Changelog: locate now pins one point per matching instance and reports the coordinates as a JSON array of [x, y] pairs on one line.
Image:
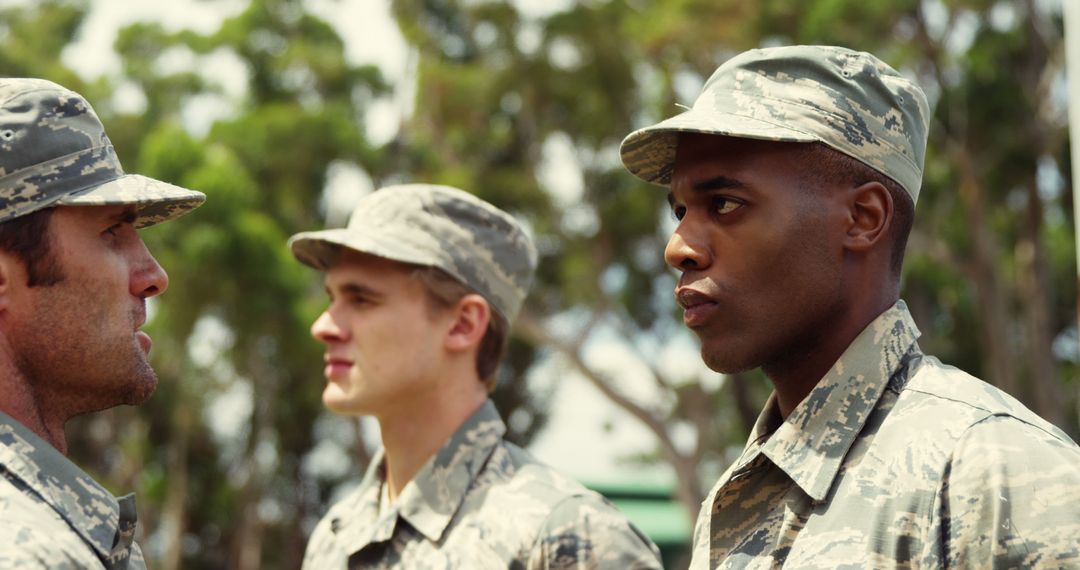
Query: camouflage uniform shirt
[[895, 460], [480, 502], [53, 515]]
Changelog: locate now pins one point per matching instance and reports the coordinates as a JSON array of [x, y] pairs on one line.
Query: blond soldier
[[793, 179], [74, 279], [424, 283]]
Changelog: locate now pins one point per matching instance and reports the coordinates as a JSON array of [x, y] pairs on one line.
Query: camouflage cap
[[848, 100], [54, 152], [476, 243]]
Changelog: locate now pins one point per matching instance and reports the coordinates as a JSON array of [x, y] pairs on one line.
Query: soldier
[[423, 284], [794, 179], [74, 279]]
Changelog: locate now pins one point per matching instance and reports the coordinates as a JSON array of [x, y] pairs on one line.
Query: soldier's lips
[[336, 367], [698, 308], [140, 319], [144, 341]]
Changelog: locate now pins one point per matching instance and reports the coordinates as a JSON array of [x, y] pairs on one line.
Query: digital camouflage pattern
[[480, 502], [895, 460], [53, 515], [848, 100], [435, 226], [54, 151]]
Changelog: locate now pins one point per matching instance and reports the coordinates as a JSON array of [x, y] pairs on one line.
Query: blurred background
[[285, 112]]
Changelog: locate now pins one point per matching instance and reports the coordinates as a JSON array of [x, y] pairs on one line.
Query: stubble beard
[[80, 380], [74, 366]]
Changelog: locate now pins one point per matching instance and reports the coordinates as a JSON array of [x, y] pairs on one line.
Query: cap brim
[[155, 201], [320, 249], [649, 153]]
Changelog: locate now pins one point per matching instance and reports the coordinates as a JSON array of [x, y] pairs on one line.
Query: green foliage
[[31, 40]]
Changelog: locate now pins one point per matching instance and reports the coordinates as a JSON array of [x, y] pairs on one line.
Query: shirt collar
[[104, 522], [357, 520], [429, 501], [810, 445]]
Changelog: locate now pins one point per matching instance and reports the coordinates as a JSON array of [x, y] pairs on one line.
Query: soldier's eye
[[722, 205], [678, 212]]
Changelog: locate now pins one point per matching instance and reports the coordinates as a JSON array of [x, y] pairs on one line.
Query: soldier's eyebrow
[[717, 183], [354, 290], [709, 185], [125, 216]]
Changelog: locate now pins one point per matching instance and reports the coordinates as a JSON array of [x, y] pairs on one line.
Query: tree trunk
[[688, 486], [688, 491], [248, 555], [174, 511], [991, 300], [1045, 395]]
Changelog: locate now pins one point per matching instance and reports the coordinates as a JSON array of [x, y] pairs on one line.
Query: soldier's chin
[[143, 384], [144, 390], [135, 390], [724, 363], [337, 401]]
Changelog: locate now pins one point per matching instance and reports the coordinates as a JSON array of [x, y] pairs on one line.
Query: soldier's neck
[[24, 405], [802, 366], [412, 436]]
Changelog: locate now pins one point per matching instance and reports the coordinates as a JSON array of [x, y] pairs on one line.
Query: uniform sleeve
[[584, 532], [1011, 498]]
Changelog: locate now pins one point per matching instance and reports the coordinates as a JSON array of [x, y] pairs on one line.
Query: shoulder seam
[[988, 414], [992, 415]]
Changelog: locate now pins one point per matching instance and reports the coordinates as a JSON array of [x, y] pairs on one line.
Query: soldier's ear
[[471, 315], [10, 270], [869, 213]]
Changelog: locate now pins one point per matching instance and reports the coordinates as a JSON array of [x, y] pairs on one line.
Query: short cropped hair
[[29, 239], [443, 292], [831, 167]]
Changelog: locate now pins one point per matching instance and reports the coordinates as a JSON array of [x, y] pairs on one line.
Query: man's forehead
[[351, 265], [726, 158], [709, 162], [120, 212], [693, 144], [349, 278], [88, 220]]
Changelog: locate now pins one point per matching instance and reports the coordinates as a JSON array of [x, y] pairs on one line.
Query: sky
[[586, 435]]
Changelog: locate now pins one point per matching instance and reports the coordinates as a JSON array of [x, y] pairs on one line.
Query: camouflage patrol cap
[[848, 100], [54, 152], [474, 242]]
